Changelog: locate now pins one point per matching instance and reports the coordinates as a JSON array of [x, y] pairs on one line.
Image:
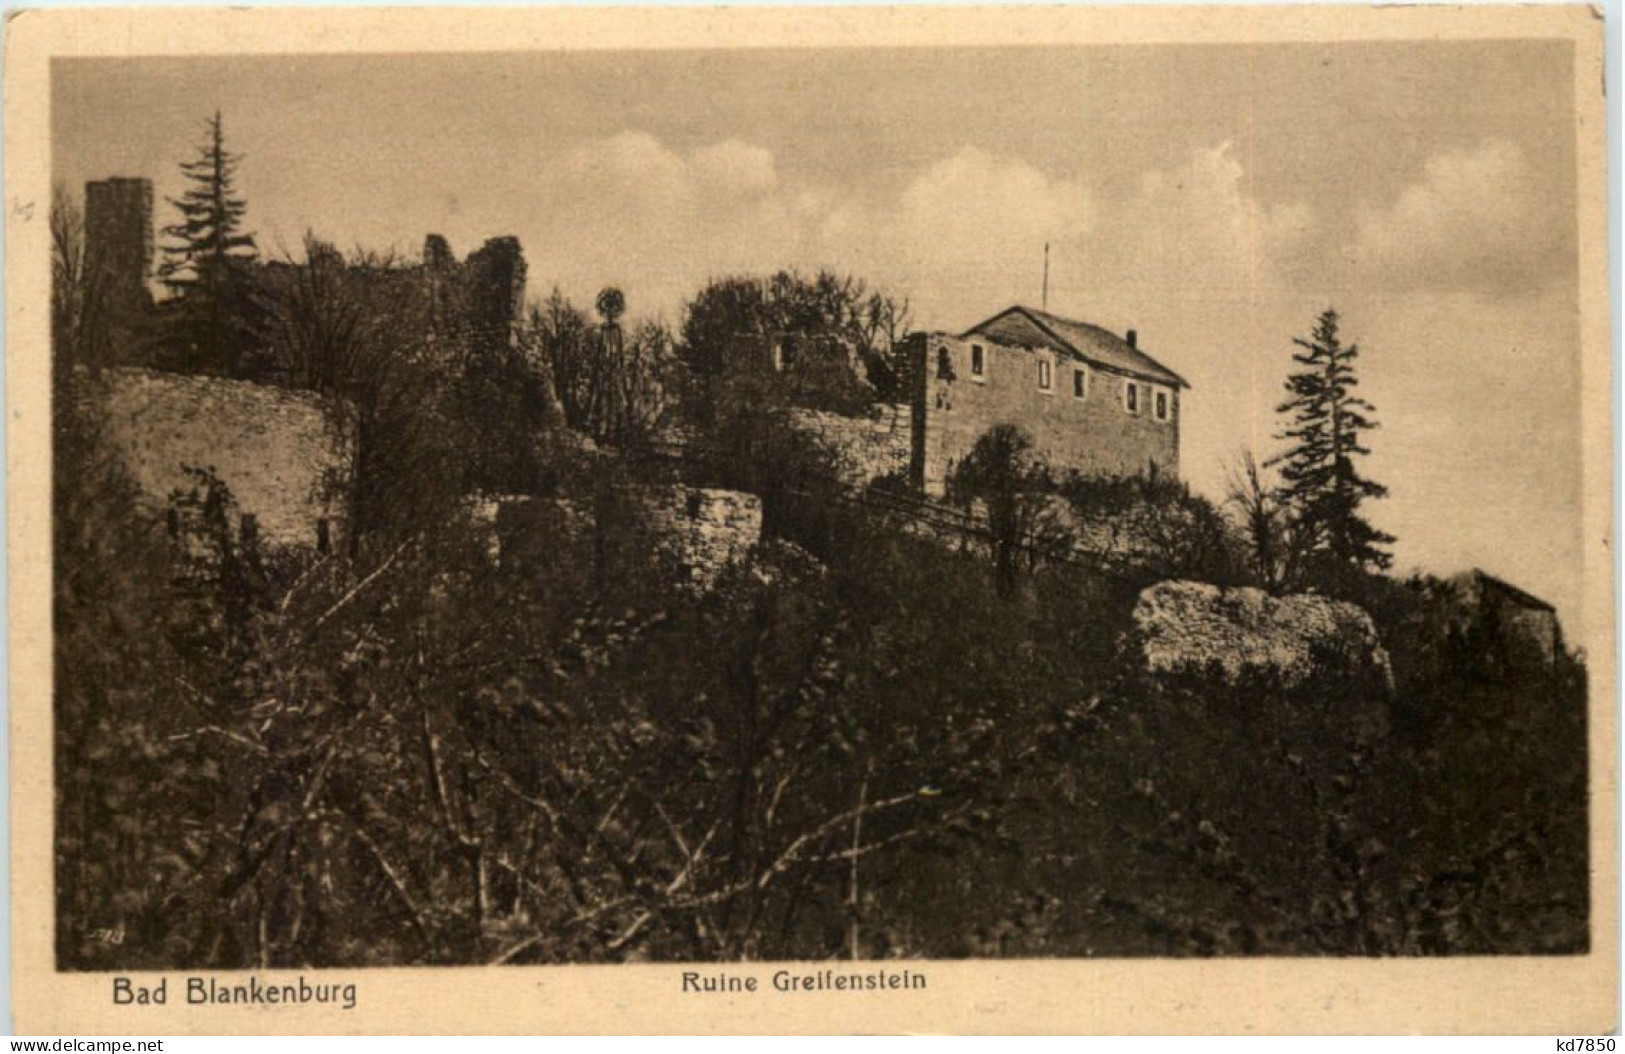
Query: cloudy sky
[[1216, 198]]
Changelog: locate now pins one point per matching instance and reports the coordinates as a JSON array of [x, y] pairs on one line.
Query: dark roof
[[1087, 342], [1510, 591]]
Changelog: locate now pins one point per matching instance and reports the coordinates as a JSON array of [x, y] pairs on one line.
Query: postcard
[[810, 520]]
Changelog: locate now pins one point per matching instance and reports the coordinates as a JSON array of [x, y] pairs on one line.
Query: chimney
[[1133, 339]]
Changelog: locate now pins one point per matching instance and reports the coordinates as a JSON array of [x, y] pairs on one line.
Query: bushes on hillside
[[861, 743], [1156, 524], [422, 757]]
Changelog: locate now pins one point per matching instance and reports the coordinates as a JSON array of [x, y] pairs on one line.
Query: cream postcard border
[[1460, 995]]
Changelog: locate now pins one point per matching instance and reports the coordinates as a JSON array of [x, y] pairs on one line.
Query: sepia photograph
[[839, 506]]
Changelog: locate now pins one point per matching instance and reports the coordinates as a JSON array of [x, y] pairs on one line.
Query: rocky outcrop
[[1184, 625]]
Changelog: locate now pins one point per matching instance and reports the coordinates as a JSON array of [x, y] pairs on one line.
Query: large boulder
[[1184, 625]]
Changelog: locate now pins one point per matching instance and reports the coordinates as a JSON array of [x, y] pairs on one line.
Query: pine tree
[[205, 266], [1321, 484]]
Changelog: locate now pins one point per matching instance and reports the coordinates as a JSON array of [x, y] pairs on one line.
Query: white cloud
[[975, 207], [1193, 230], [628, 170], [735, 169], [1477, 219], [964, 236], [632, 211], [1215, 281], [964, 232]]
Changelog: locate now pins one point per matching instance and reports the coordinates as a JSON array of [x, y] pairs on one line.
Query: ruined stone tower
[[118, 242], [496, 275]]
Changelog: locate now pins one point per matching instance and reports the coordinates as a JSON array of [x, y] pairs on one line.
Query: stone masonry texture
[[692, 534], [868, 447], [1185, 625], [118, 240], [1526, 627], [701, 531], [1096, 434], [287, 456]]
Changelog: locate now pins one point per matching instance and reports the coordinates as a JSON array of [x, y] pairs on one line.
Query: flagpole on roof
[[1045, 300]]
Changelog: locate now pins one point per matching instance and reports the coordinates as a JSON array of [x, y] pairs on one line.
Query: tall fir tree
[[1321, 484], [206, 262]]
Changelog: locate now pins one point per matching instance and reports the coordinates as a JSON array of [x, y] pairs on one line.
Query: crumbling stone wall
[[496, 292], [1531, 635], [474, 304], [1183, 625], [869, 447], [1128, 535], [1524, 628], [523, 532], [287, 456], [689, 535], [698, 532], [118, 246]]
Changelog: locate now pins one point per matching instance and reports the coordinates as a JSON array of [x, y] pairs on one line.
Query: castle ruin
[[119, 243]]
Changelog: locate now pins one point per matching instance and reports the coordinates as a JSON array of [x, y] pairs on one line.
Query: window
[[250, 530], [1080, 382], [1162, 405], [1044, 379], [978, 361], [945, 365], [1131, 397], [323, 541], [172, 521]]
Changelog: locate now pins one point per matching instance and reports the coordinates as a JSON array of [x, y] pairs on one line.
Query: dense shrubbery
[[834, 341], [415, 756], [1144, 528], [863, 743]]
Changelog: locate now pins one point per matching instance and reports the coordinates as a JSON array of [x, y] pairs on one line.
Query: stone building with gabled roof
[[1092, 401], [1026, 327]]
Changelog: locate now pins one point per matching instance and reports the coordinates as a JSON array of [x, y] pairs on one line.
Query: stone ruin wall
[[872, 448], [1531, 636], [692, 534], [495, 278], [698, 532], [288, 457], [869, 448]]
